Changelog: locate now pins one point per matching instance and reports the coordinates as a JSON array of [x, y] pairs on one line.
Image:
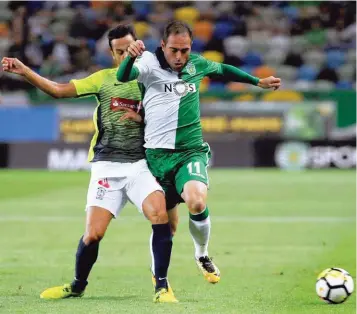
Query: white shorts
[[112, 184]]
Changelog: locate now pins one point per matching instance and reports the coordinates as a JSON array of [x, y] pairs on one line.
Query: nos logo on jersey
[[180, 88]]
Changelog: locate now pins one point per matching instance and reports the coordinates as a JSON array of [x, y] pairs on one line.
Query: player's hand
[[13, 65], [136, 48], [131, 115], [270, 82]]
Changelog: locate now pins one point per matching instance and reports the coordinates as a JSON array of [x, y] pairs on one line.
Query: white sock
[[200, 232]]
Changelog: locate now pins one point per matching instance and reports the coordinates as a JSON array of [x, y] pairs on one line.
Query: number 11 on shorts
[[193, 164]]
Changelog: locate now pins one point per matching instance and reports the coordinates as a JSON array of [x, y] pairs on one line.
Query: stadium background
[[271, 228], [310, 45]]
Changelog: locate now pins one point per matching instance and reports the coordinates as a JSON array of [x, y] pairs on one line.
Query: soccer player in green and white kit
[[176, 153], [119, 171]]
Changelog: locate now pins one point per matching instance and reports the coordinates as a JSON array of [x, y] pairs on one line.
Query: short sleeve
[[90, 84]]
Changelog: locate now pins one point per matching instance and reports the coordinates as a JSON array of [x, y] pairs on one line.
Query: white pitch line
[[223, 219]]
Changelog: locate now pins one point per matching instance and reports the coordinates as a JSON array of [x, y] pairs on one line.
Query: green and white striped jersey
[[171, 100]]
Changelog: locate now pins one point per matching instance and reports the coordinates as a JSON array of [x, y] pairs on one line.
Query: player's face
[[177, 50], [120, 47]]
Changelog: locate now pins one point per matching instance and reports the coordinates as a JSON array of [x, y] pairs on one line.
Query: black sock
[[86, 256], [161, 247]]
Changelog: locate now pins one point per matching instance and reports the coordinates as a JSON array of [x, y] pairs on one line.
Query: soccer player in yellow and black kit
[[119, 171]]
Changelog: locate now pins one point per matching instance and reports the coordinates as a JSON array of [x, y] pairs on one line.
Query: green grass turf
[[272, 233]]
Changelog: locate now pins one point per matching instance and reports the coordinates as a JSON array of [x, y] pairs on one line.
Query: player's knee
[[158, 216], [194, 194], [93, 236], [196, 204], [154, 208]]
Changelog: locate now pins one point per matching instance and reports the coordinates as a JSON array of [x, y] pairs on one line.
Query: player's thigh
[[143, 187], [192, 181], [163, 166], [108, 194], [194, 172]]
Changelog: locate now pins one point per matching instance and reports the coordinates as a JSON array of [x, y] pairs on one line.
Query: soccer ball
[[334, 285]]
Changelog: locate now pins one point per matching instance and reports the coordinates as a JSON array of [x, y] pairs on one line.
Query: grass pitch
[[272, 233]]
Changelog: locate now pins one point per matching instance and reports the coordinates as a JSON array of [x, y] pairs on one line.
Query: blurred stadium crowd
[[310, 45]]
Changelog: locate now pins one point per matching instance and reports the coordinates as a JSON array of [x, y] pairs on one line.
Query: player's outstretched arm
[[54, 89], [238, 75], [127, 72]]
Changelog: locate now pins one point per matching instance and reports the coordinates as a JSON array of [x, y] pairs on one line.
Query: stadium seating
[[203, 30], [301, 85], [314, 58], [142, 29], [151, 43], [187, 14], [213, 56], [307, 72], [291, 12], [236, 46], [252, 59], [223, 29], [323, 85], [287, 72], [351, 57], [299, 43], [198, 45], [141, 8], [335, 58], [217, 87], [64, 15], [344, 85], [259, 42], [274, 57], [264, 71], [291, 40], [5, 15], [347, 72]]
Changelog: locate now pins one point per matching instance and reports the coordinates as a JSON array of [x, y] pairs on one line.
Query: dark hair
[[176, 27], [120, 31]]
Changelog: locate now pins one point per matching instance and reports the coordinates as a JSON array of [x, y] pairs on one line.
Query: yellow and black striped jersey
[[114, 140]]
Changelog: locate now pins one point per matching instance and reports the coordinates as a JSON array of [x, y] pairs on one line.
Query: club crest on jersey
[[190, 68], [180, 88], [117, 103]]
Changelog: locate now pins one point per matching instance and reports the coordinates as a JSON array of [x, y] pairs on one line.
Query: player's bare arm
[[56, 90], [136, 48], [270, 82]]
